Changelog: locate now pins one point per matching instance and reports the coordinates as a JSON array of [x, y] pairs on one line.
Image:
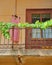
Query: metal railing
[[9, 44]]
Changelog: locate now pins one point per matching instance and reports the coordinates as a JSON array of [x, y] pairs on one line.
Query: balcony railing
[[9, 44]]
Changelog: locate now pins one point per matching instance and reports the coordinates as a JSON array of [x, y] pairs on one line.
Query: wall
[[7, 8]]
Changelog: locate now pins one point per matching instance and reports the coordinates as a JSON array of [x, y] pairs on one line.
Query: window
[[37, 38], [37, 33]]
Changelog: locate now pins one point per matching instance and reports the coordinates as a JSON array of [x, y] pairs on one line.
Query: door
[[37, 38]]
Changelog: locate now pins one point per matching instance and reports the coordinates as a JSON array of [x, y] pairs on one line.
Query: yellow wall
[[7, 8]]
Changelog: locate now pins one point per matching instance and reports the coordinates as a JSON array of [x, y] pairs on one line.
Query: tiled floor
[[26, 60]]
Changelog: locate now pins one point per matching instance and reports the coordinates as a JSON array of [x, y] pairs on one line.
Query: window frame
[[34, 43]]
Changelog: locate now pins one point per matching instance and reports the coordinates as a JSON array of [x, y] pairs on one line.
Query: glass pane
[[35, 17], [35, 32], [45, 17], [47, 33]]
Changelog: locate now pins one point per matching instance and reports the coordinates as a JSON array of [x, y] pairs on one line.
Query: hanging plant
[[4, 27]]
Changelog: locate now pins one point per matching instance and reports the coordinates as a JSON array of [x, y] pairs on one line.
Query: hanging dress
[[14, 32]]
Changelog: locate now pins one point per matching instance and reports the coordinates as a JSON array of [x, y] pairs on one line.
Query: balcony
[[8, 47]]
